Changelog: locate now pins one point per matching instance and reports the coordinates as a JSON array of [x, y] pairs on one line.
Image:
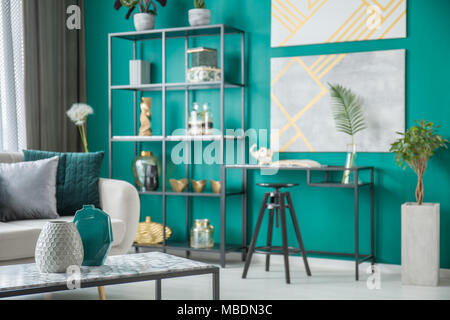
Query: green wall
[[326, 215]]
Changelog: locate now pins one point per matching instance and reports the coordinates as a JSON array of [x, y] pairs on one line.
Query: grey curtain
[[54, 74]]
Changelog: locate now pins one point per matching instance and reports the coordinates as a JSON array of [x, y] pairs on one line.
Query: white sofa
[[117, 198]]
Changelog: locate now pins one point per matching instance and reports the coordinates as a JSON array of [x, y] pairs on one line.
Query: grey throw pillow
[[28, 190]]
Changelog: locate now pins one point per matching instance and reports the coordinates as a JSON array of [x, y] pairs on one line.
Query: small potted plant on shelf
[[200, 16], [420, 221], [145, 20]]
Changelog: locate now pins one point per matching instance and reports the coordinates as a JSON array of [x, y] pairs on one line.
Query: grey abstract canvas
[[301, 116]]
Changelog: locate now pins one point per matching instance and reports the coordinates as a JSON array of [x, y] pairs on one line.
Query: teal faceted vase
[[95, 230]]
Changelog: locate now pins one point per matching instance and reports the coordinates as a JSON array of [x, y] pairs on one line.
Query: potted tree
[[199, 16], [145, 20], [420, 221]]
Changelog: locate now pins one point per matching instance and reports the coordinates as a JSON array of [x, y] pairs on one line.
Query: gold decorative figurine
[[151, 232], [146, 127]]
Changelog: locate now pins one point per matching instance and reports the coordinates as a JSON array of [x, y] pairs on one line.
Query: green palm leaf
[[347, 110]]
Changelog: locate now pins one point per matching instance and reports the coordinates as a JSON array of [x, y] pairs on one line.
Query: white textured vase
[[199, 17], [59, 246], [420, 244], [144, 21]]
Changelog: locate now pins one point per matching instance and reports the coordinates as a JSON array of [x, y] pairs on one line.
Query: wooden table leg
[[101, 293]]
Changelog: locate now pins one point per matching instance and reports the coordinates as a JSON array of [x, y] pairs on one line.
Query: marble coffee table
[[25, 279]]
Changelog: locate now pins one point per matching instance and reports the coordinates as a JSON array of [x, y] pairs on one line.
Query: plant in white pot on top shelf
[[420, 221], [145, 20], [349, 118], [200, 16]]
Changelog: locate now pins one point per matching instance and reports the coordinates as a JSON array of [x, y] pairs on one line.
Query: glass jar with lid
[[202, 234]]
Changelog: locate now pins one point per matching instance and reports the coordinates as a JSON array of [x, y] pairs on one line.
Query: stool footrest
[[276, 250]]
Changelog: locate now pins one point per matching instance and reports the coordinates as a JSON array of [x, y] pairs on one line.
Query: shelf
[[136, 138], [202, 138], [173, 138], [258, 167], [337, 184], [183, 245], [176, 86], [200, 31], [322, 168], [190, 194]]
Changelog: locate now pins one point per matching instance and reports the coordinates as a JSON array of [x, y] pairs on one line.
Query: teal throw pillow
[[77, 178]]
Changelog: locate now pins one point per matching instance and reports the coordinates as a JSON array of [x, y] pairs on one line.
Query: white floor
[[330, 279]]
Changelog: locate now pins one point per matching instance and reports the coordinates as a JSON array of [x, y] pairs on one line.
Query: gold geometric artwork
[[300, 22], [301, 119], [316, 71]]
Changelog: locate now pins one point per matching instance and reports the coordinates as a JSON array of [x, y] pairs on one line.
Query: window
[[12, 101]]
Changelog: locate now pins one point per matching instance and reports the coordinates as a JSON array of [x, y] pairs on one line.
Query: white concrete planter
[[420, 244], [144, 21], [199, 17]]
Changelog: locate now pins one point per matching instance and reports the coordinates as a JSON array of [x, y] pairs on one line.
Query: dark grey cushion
[[28, 190]]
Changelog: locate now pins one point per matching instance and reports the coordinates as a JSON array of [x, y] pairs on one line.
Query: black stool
[[277, 205]]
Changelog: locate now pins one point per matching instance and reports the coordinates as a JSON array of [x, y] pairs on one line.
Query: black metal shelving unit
[[221, 31]]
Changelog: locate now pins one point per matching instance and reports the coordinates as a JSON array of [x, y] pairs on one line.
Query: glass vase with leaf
[[349, 118]]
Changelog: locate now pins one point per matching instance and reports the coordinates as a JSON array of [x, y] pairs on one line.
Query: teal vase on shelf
[[95, 230]]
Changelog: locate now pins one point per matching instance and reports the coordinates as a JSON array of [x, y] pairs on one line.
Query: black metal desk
[[326, 183]]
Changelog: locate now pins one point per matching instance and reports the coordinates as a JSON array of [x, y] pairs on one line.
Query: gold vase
[[198, 186], [178, 185], [216, 186]]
